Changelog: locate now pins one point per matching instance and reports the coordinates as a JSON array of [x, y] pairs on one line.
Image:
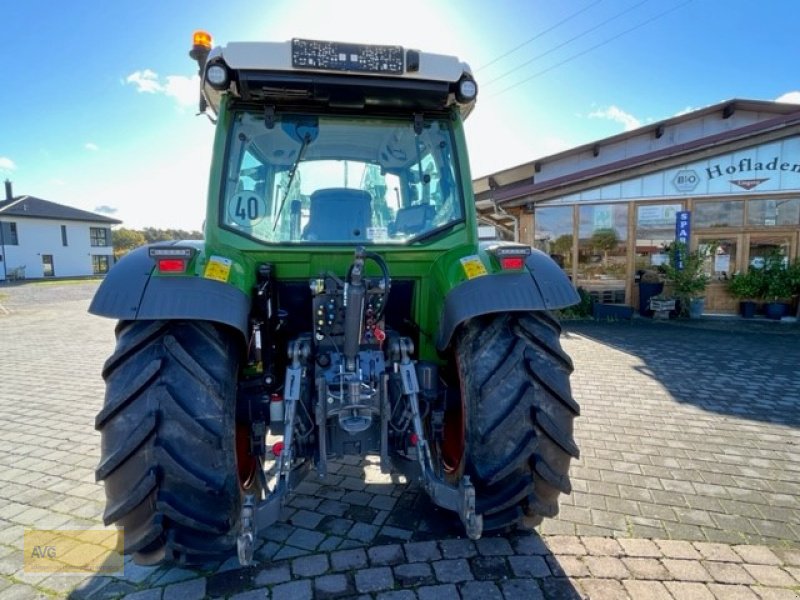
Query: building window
[[48, 270], [554, 233], [725, 213], [64, 235], [9, 231], [655, 230], [99, 236], [603, 251], [773, 213], [100, 263]]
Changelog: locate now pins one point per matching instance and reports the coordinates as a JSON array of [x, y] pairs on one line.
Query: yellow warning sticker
[[218, 268], [73, 551], [473, 267]]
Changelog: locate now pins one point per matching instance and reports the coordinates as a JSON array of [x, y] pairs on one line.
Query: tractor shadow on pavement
[[384, 522], [746, 371]]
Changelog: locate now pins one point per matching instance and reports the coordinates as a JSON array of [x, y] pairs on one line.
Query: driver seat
[[339, 215]]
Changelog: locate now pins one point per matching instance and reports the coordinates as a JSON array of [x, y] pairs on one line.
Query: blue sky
[[98, 103]]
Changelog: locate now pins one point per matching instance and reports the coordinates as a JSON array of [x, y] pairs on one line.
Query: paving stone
[[142, 595], [525, 589], [331, 586], [457, 548], [422, 551], [362, 532], [306, 539], [306, 518], [677, 549], [259, 594], [346, 560], [374, 580], [391, 554], [717, 552], [686, 570], [413, 574], [689, 591], [603, 589], [186, 590], [565, 544], [728, 573], [294, 590], [770, 575], [287, 552], [560, 588], [489, 568], [649, 590], [530, 544], [646, 568], [272, 575], [758, 555], [606, 567], [789, 556], [640, 548], [597, 546], [768, 593], [437, 592], [731, 592], [567, 566], [397, 595], [452, 571], [310, 566], [480, 590], [494, 546], [529, 566]]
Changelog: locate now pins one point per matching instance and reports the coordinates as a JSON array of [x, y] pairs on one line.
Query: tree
[[562, 246], [604, 240], [125, 240]]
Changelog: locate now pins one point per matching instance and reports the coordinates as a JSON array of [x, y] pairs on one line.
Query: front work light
[[467, 89], [217, 76]]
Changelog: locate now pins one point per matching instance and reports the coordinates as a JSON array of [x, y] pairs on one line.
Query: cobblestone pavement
[[688, 485]]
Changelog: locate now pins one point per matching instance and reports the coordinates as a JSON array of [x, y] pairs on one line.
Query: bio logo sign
[[686, 180]]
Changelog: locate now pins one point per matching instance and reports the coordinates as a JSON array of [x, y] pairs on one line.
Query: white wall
[[43, 236]]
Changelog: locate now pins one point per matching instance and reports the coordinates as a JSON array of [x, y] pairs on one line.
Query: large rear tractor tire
[[169, 462], [512, 432]]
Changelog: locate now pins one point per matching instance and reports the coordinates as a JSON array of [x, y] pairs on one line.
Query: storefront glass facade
[[603, 239]]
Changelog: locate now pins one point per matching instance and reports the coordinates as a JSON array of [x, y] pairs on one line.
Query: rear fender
[[129, 292], [541, 286]]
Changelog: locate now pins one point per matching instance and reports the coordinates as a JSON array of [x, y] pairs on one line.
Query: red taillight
[[171, 265], [512, 262]]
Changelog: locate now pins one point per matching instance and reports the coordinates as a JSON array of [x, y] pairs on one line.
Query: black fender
[[129, 292], [541, 286]]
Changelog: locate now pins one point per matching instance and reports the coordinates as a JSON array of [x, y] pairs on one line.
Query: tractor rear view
[[340, 299]]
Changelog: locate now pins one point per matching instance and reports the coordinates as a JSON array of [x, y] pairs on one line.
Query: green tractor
[[340, 299]]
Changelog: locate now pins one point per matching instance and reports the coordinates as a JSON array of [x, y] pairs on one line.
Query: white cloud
[[145, 81], [184, 90], [91, 147], [6, 164], [789, 97], [614, 113]]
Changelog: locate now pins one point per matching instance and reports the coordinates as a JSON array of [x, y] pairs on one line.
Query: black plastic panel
[[543, 287], [338, 56]]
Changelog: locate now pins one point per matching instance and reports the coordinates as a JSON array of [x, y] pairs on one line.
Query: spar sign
[[683, 231]]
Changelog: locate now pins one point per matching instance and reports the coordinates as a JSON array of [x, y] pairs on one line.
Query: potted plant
[[748, 287], [779, 292], [687, 283], [651, 284]]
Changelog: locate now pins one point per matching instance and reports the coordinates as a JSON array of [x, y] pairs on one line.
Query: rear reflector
[[512, 262], [171, 265]]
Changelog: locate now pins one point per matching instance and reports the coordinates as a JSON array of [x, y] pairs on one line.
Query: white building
[[39, 239]]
